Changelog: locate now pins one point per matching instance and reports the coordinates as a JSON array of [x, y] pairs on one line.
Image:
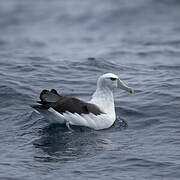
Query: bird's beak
[[123, 86]]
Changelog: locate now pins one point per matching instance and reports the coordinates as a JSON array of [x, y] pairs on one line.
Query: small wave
[[8, 93], [124, 111], [139, 162], [166, 67], [93, 64]]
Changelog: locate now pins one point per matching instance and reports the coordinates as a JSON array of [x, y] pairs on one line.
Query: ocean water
[[67, 45]]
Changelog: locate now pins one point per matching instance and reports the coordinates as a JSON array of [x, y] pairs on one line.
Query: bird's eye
[[113, 79]]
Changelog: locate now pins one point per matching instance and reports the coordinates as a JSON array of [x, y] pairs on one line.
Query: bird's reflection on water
[[59, 144]]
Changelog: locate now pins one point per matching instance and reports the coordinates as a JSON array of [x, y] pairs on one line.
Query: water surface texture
[[67, 45]]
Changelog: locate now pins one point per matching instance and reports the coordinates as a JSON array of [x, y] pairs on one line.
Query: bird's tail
[[49, 113], [38, 107]]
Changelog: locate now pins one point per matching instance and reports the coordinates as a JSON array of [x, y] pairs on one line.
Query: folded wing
[[64, 104]]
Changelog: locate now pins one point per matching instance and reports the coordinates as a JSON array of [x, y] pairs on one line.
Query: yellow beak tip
[[132, 91]]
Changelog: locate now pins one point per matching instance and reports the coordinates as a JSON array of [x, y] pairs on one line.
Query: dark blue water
[[67, 45]]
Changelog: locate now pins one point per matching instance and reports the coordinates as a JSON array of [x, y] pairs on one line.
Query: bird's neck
[[103, 93], [103, 97]]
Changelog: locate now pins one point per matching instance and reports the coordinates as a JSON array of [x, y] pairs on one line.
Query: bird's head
[[112, 81]]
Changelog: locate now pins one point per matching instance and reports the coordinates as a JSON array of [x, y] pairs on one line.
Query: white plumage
[[102, 98]]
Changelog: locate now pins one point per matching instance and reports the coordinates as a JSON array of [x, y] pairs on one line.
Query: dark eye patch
[[113, 79]]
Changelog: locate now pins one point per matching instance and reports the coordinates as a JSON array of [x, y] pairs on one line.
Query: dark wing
[[92, 108], [66, 103], [74, 105]]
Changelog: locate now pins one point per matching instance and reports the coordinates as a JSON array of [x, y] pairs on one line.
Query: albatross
[[98, 113]]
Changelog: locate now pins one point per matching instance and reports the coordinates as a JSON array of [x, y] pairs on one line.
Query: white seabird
[[98, 113]]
